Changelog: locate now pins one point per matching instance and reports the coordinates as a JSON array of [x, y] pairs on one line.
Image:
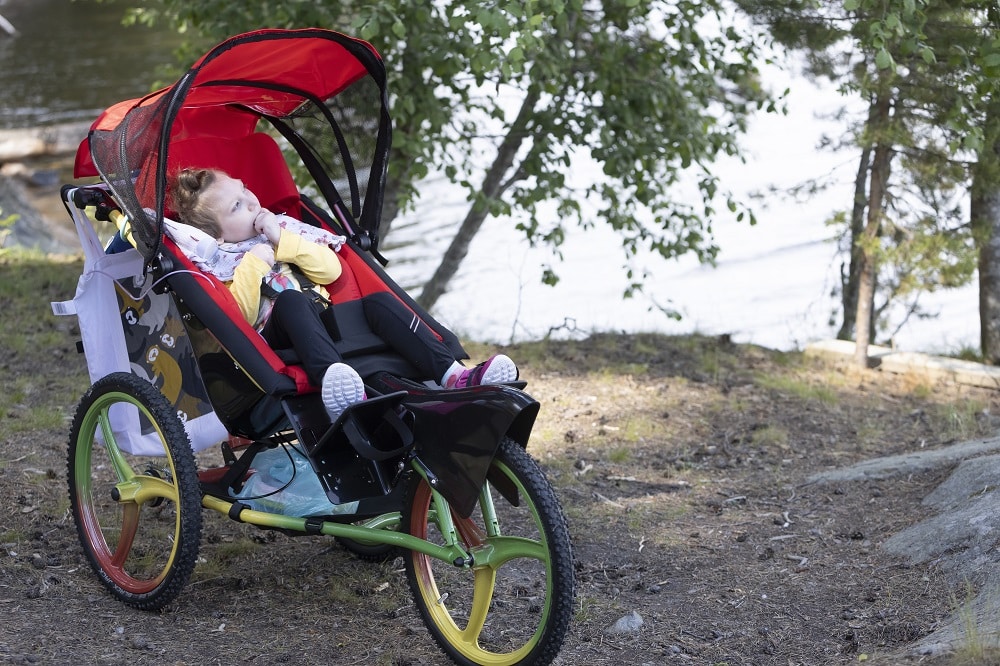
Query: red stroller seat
[[243, 375], [256, 159]]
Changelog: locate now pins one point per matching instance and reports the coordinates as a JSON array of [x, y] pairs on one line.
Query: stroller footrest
[[373, 428]]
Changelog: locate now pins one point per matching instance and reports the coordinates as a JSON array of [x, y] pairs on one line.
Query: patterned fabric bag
[[150, 342]]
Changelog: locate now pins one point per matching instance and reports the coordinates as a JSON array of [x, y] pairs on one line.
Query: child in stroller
[[281, 304]]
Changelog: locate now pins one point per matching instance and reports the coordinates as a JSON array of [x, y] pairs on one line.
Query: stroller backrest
[[256, 159]]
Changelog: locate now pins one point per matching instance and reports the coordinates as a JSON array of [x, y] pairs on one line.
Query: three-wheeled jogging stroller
[[440, 476]]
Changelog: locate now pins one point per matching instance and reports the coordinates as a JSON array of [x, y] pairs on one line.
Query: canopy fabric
[[288, 77]]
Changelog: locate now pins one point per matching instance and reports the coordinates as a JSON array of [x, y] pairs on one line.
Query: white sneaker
[[342, 387], [497, 369]]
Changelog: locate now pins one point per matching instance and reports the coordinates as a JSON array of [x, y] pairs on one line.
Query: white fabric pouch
[[127, 327]]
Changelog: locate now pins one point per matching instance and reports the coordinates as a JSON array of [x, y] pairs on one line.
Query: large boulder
[[31, 229], [960, 538]]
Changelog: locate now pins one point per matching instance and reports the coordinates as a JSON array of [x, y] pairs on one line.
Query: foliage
[[652, 92], [902, 53], [894, 28], [6, 224], [942, 89]]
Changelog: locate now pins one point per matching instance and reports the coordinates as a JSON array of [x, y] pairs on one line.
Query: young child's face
[[234, 207]]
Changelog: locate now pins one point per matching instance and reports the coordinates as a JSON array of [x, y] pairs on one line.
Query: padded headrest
[[255, 159]]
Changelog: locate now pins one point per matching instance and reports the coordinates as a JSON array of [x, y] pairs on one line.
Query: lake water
[[772, 285], [69, 60]]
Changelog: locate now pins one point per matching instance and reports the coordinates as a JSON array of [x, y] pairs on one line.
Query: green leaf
[[883, 59], [549, 277], [852, 5]]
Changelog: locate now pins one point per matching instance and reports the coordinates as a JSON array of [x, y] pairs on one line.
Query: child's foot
[[342, 387], [498, 369]]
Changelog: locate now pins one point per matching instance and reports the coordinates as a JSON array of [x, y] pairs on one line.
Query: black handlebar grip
[[84, 197]]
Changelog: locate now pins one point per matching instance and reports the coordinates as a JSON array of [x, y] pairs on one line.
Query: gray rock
[[971, 480], [960, 539], [628, 624], [30, 229], [906, 463]]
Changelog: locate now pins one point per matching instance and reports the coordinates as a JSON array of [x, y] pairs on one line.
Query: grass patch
[[638, 430], [798, 388], [234, 551], [973, 648], [620, 455], [771, 436], [961, 418], [870, 432], [14, 536], [966, 353], [61, 507], [587, 609], [35, 418]]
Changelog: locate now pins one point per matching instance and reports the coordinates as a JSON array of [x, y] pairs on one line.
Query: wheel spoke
[[501, 550], [142, 489], [122, 469], [482, 595], [130, 525], [471, 534]]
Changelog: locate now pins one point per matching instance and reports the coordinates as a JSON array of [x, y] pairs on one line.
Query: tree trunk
[[849, 283], [869, 237], [493, 187], [985, 217]]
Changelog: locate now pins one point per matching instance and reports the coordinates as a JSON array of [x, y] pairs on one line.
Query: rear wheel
[[369, 552], [517, 608], [138, 517]]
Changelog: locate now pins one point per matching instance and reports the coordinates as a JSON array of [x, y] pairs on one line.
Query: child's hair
[[186, 199]]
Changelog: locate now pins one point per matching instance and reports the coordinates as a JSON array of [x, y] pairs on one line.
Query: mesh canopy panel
[[120, 155]]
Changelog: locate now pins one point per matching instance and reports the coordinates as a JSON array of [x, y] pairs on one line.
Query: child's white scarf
[[221, 259]]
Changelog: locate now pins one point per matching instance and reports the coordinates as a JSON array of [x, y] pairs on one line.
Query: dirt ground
[[681, 463], [698, 459]]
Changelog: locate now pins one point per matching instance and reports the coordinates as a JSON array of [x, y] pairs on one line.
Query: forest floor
[[684, 466]]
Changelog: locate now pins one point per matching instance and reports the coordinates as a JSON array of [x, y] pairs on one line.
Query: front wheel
[[516, 608], [138, 516]]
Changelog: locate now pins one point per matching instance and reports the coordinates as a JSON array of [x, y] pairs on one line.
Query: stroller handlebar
[[104, 208], [88, 196]]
